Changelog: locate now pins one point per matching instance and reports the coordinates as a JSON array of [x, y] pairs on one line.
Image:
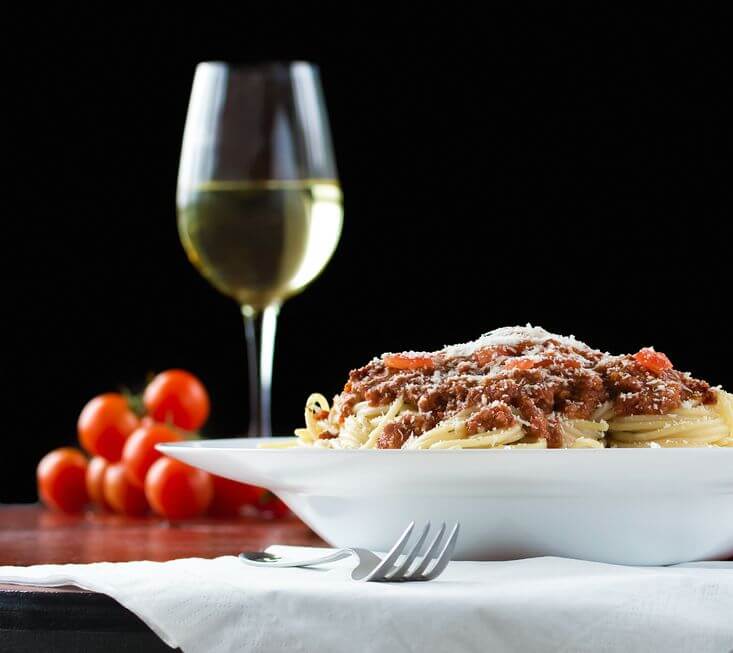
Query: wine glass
[[259, 203]]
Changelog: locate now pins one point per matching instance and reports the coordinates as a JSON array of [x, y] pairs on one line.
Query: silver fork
[[373, 568]]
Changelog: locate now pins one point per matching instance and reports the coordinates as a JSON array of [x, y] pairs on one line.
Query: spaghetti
[[519, 387], [363, 429], [690, 425]]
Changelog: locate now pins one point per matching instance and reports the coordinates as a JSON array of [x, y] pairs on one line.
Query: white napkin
[[539, 604]]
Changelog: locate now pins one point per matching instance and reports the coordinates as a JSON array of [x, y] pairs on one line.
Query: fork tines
[[414, 567]]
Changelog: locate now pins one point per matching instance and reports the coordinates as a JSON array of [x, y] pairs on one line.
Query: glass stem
[[259, 328]]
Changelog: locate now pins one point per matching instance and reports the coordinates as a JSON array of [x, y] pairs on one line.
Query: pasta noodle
[[688, 426], [362, 430]]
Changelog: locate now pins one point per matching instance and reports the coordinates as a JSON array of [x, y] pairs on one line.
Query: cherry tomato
[[121, 495], [176, 490], [230, 497], [272, 506], [408, 362], [104, 424], [61, 477], [95, 480], [140, 453], [178, 397], [655, 361]]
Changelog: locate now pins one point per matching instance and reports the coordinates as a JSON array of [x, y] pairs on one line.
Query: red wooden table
[[61, 619]]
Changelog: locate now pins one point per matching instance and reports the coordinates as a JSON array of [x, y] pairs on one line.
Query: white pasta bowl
[[624, 506]]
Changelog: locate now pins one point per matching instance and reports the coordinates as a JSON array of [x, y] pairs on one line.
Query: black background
[[564, 169]]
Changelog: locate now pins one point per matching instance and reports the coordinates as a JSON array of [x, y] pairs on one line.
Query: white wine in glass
[[259, 203]]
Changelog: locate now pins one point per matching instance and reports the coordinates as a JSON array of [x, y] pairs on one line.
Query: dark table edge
[[25, 612]]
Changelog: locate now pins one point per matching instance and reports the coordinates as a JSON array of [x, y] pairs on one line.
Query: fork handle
[[339, 554]]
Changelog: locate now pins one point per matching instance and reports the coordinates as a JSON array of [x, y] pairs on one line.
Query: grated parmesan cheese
[[510, 336]]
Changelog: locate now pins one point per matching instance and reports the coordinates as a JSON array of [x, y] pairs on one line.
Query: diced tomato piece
[[547, 361], [519, 364], [485, 356], [655, 361], [570, 362], [408, 362], [488, 354]]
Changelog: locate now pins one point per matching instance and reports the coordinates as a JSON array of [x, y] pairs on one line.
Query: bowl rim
[[210, 445]]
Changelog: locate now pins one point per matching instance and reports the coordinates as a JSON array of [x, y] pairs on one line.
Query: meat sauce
[[538, 381]]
